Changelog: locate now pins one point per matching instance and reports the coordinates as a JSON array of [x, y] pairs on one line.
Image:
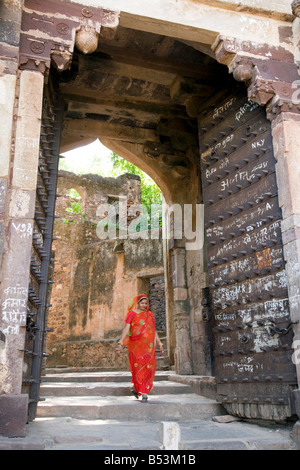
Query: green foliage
[[75, 208], [151, 194]]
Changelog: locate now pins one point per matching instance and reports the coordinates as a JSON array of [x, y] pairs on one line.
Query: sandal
[[134, 393], [144, 398]]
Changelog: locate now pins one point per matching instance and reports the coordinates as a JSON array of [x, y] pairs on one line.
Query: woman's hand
[[119, 348], [160, 345], [161, 348]]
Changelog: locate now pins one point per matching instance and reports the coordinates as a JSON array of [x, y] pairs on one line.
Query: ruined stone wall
[[94, 279]]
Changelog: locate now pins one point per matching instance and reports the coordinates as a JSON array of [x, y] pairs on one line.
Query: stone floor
[[96, 412]]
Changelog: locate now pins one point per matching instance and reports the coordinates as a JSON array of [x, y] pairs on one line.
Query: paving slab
[[111, 435], [235, 435]]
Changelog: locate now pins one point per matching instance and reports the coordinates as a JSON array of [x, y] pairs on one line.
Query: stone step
[[162, 364], [106, 395], [103, 389], [158, 408], [77, 375]]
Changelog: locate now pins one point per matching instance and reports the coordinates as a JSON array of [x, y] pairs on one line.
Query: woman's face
[[143, 304]]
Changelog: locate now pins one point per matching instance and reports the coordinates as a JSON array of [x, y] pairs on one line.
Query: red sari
[[141, 347]]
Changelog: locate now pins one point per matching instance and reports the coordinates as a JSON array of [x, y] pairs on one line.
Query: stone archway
[[132, 95], [261, 53], [267, 85], [245, 56]]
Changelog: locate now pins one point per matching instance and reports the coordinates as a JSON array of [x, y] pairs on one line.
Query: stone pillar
[[13, 293], [286, 141], [10, 20], [27, 49], [293, 233], [183, 355], [18, 230]]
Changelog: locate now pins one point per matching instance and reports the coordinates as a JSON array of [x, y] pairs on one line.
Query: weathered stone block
[[7, 95], [22, 204], [10, 32], [178, 268], [286, 135], [180, 293], [3, 191], [1, 238], [28, 130], [13, 415], [297, 401], [31, 94], [170, 435]]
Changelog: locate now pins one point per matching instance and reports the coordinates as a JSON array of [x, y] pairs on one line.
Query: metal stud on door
[[247, 281]]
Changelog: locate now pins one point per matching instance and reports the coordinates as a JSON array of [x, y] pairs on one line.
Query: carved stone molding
[[270, 74], [61, 59], [49, 30]]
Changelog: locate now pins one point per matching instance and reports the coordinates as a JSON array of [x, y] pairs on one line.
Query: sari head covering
[[133, 305]]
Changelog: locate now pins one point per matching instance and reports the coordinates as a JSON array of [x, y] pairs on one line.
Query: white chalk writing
[[14, 316], [16, 290], [28, 142], [244, 109], [222, 109], [258, 144], [14, 303], [14, 309], [245, 365], [236, 292], [25, 230]]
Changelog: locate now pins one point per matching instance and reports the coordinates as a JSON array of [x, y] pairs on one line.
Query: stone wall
[[157, 301], [94, 279]]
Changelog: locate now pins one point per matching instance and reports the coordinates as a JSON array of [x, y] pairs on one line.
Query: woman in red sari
[[141, 338]]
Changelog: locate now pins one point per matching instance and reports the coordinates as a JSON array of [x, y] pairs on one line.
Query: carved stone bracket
[[270, 74], [87, 39], [296, 8], [51, 29]]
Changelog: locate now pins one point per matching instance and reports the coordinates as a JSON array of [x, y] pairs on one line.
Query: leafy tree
[[151, 194]]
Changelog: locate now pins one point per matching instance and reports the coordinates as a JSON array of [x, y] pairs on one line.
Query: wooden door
[[247, 281]]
